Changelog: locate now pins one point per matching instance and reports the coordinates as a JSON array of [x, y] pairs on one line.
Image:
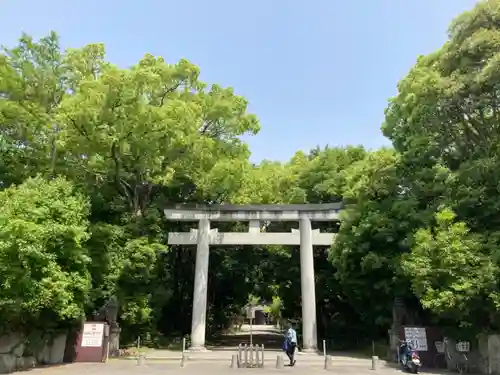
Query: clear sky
[[315, 72]]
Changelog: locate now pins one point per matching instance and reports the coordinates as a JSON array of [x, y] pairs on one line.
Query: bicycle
[[440, 357], [462, 347]]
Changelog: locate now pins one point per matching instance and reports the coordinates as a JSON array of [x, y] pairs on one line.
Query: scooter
[[408, 358]]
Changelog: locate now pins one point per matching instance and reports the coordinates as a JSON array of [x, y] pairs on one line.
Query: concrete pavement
[[124, 367]]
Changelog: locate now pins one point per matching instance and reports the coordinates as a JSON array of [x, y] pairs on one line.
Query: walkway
[[120, 367], [266, 335]]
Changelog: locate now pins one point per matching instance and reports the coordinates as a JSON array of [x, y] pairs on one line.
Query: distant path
[[267, 335], [265, 329]]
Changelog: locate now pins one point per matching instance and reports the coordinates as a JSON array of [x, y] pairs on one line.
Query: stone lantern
[[112, 308]]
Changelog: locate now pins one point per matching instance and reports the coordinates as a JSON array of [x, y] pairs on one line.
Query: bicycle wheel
[[439, 361], [462, 368]]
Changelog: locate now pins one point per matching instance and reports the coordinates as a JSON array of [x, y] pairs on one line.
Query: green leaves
[[452, 271], [444, 125], [43, 261]]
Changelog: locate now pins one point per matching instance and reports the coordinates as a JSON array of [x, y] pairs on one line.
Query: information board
[[92, 335], [250, 312], [417, 338]]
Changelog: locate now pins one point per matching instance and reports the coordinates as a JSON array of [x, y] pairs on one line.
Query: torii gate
[[203, 237]]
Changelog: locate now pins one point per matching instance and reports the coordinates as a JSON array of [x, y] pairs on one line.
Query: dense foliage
[[91, 153]]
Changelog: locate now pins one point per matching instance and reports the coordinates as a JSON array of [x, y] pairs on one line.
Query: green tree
[[444, 124], [147, 126], [375, 224], [43, 260], [452, 272], [31, 88]]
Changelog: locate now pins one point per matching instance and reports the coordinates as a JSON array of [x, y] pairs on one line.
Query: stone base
[[310, 351], [198, 349]]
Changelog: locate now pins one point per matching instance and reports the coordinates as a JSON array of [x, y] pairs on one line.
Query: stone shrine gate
[[203, 237]]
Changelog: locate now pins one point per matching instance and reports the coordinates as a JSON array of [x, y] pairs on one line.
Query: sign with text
[[92, 335], [417, 338], [251, 312]]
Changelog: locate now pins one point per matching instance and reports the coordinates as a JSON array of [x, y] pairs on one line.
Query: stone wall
[[484, 356], [493, 347], [455, 360], [15, 355]]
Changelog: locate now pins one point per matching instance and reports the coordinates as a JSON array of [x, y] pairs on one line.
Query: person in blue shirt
[[290, 344]]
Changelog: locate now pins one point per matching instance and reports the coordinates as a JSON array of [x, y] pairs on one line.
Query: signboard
[[417, 338], [251, 312], [92, 335]]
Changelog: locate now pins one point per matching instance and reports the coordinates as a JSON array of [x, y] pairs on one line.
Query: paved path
[[121, 367], [124, 367], [217, 362]]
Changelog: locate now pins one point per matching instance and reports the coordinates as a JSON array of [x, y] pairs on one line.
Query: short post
[[262, 356], [246, 355], [252, 348], [375, 362], [328, 362], [107, 351], [141, 359], [324, 348], [183, 353], [279, 361], [240, 356], [257, 356], [234, 361]]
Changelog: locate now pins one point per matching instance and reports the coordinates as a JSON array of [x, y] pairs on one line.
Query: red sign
[[92, 342]]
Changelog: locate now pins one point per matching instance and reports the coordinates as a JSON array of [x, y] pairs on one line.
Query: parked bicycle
[[440, 357], [460, 359]]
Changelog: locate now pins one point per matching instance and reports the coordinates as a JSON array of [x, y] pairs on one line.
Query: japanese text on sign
[[417, 338], [92, 335]]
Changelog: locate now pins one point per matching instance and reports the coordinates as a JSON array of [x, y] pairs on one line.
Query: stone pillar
[[200, 287], [307, 282], [114, 340]]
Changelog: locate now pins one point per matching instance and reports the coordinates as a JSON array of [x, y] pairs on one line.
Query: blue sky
[[315, 72]]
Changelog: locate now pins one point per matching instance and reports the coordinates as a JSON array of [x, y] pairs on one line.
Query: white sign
[[417, 338], [251, 312], [92, 335]]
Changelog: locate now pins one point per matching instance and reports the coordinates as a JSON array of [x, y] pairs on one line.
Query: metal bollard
[[251, 354], [375, 362], [141, 360], [245, 348], [328, 362], [183, 353], [234, 361], [279, 361], [240, 356], [257, 356], [262, 356]]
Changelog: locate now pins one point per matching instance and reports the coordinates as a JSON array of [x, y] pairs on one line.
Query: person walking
[[291, 344]]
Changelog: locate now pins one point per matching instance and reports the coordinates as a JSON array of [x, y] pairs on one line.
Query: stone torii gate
[[203, 237]]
